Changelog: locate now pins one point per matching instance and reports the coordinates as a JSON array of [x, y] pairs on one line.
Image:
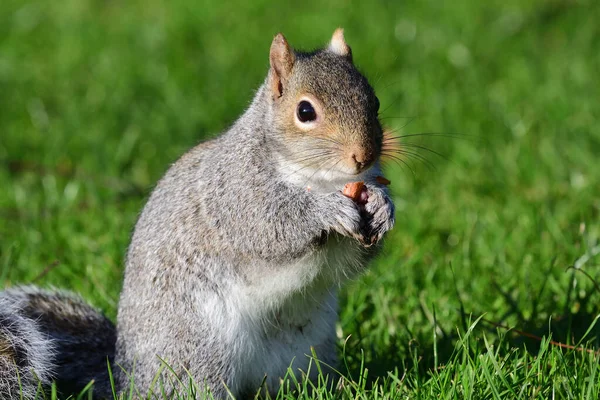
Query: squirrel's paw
[[380, 211], [345, 217]]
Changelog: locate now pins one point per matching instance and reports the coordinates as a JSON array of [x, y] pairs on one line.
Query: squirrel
[[235, 262]]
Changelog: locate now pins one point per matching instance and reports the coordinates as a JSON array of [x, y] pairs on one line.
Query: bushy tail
[[48, 336], [25, 355]]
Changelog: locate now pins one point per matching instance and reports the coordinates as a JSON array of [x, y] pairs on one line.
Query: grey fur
[[25, 355], [224, 217], [234, 263]]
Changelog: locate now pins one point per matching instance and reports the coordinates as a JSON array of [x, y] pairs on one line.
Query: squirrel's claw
[[346, 218], [366, 223], [380, 213]]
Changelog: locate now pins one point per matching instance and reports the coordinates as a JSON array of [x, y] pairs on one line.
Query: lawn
[[488, 287]]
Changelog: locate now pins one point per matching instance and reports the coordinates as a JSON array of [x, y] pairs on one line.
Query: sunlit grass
[[97, 99]]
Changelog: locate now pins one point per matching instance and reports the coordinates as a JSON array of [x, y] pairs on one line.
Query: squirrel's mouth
[[330, 177], [353, 166], [352, 171], [327, 169]]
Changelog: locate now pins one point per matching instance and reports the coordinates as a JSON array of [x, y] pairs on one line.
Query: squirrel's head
[[324, 109]]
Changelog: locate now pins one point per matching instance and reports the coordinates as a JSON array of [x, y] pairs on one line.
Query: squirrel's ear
[[282, 60], [338, 45]]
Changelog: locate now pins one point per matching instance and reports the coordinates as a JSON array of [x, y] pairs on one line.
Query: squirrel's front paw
[[344, 217], [380, 214]]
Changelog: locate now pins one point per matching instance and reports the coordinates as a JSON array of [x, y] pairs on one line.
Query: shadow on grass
[[575, 328]]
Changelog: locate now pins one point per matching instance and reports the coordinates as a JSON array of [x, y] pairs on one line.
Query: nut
[[354, 190]]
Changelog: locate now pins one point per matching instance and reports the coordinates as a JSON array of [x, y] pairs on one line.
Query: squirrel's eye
[[306, 112]]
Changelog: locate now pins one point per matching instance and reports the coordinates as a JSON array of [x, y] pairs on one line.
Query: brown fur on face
[[347, 132]]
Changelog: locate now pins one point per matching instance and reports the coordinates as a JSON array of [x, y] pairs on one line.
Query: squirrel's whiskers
[[396, 149]]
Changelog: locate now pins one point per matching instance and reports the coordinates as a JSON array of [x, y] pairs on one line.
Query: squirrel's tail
[[25, 355], [52, 336]]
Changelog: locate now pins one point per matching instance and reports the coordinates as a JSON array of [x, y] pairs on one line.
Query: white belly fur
[[281, 317]]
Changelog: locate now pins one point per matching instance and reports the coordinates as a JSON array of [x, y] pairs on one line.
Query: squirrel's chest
[[341, 258], [294, 310], [269, 289], [287, 340]]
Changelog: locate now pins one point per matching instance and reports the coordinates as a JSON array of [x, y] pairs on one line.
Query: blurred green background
[[97, 98]]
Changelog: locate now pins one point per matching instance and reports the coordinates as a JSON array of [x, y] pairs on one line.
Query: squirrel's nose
[[360, 158]]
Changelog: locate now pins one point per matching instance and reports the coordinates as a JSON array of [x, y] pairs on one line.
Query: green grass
[[97, 98]]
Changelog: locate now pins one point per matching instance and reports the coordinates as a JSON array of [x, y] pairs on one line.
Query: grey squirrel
[[235, 261]]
